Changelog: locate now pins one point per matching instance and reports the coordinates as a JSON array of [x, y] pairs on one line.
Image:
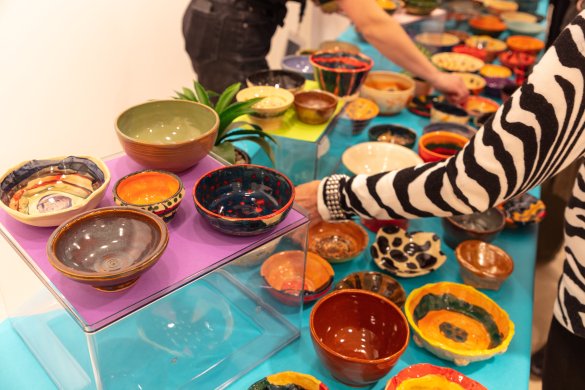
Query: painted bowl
[[243, 200], [315, 107], [421, 105], [339, 72], [268, 112], [299, 64], [427, 376], [394, 134], [492, 46], [445, 112], [360, 112], [390, 6], [339, 46], [523, 210], [108, 248], [337, 242], [156, 191], [456, 62], [478, 105], [484, 226], [436, 42], [358, 335], [525, 44], [375, 282], [450, 127], [286, 79], [480, 54], [49, 192], [440, 145], [495, 71], [406, 254], [391, 91], [376, 157], [283, 274], [525, 28], [516, 16], [289, 380], [172, 135], [487, 25], [458, 323], [483, 265], [420, 7], [497, 7], [516, 59]]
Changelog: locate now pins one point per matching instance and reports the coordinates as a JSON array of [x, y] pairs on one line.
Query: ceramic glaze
[[477, 106], [483, 265], [474, 83], [375, 282], [389, 90], [315, 107], [291, 81], [377, 157], [445, 145], [337, 242], [487, 25], [450, 127], [289, 380], [340, 73], [526, 44], [421, 105], [523, 210], [425, 376], [300, 64], [393, 134], [456, 62], [483, 226]]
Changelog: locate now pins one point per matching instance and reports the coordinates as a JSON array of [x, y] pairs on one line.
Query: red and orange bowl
[[339, 72], [428, 376], [525, 44], [440, 145]]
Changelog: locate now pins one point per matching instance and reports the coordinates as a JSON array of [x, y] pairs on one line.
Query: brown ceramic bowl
[[358, 335], [483, 265], [478, 226], [375, 282], [337, 242], [315, 107]]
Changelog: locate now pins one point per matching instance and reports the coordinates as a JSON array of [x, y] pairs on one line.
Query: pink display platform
[[194, 250]]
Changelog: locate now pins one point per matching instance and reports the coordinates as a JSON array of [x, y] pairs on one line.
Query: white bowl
[[376, 157]]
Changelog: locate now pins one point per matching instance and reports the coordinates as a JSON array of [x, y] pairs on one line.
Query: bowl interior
[[337, 241], [472, 81], [389, 82], [274, 98], [375, 282], [393, 134], [376, 157], [488, 221], [147, 187], [341, 61], [477, 105], [484, 259], [428, 376], [457, 62], [442, 143], [166, 122], [315, 100], [449, 109], [277, 78]]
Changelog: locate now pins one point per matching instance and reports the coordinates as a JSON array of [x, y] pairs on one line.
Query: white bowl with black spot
[[406, 254]]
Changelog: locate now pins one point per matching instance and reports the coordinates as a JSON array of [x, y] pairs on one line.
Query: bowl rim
[[473, 23], [296, 76], [484, 99], [503, 46], [127, 138], [446, 34], [470, 75], [403, 77], [245, 166], [295, 56], [500, 227], [476, 62], [383, 275], [391, 127], [281, 92], [325, 347], [357, 230], [316, 92], [431, 369], [366, 69], [93, 276], [98, 192], [473, 269], [377, 144], [422, 145], [161, 171]]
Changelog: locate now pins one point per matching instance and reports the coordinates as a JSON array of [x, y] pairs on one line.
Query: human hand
[[306, 196], [452, 86]]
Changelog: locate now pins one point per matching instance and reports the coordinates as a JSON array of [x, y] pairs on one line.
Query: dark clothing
[[563, 359]]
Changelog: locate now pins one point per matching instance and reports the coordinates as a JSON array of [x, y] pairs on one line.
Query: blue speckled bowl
[[300, 64]]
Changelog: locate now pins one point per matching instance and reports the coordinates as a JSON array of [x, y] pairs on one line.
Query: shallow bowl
[[428, 376], [421, 105], [450, 127], [49, 192], [108, 248], [519, 17], [445, 112], [375, 282], [420, 7], [337, 242], [480, 54], [523, 210], [478, 105], [495, 71], [492, 46], [525, 44], [525, 28], [376, 157], [483, 226], [483, 265], [394, 134], [497, 7], [268, 112], [315, 107], [391, 91], [487, 25], [288, 380], [243, 200], [299, 64], [440, 145], [339, 72], [517, 60], [286, 79], [436, 42], [457, 62]]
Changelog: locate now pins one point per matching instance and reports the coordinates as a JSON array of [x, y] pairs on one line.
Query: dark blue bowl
[[243, 200], [394, 134]]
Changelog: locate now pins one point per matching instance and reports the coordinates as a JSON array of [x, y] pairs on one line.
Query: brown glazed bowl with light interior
[[483, 265], [376, 282], [483, 226], [108, 248], [358, 335], [315, 107], [337, 242]]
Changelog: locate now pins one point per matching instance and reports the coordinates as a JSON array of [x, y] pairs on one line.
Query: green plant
[[228, 111]]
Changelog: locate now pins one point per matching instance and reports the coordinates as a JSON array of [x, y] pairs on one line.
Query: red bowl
[[472, 51]]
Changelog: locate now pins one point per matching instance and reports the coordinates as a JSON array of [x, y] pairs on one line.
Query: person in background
[[537, 133], [227, 40]]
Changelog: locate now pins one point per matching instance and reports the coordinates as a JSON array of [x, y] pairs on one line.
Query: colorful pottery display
[[341, 73], [376, 157], [487, 25], [484, 226], [286, 79], [525, 44], [492, 46], [458, 323], [375, 282], [283, 274], [483, 265], [421, 105], [339, 46], [523, 210], [299, 64], [394, 134], [337, 242], [450, 127], [424, 376], [360, 112], [289, 380], [436, 42], [445, 112], [358, 335], [243, 200], [440, 145], [407, 254], [48, 192], [108, 248], [456, 62], [389, 90], [315, 107], [478, 105], [268, 112], [495, 71]]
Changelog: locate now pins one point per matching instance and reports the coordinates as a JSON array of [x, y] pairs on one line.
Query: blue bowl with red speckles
[[243, 200]]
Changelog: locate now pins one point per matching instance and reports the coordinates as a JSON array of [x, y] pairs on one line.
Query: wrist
[[330, 203]]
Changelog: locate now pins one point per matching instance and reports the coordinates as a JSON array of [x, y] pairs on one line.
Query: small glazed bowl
[[445, 321], [375, 282], [339, 72], [172, 135], [492, 46], [374, 225], [440, 145], [360, 112], [268, 112], [376, 157], [339, 46], [450, 127], [478, 105], [391, 91], [394, 134], [420, 7], [283, 274], [48, 192], [337, 242], [525, 44], [445, 112], [487, 25], [495, 71], [523, 210], [108, 248], [407, 255], [515, 59], [156, 191], [480, 54], [483, 226], [286, 79], [497, 7], [525, 28], [358, 335], [299, 64], [421, 105], [315, 107], [436, 42], [483, 265], [289, 380], [428, 376], [243, 200], [456, 62]]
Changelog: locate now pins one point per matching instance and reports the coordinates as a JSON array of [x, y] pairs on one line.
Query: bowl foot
[[117, 287]]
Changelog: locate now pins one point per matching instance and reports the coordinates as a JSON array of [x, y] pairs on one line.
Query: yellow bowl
[[269, 111]]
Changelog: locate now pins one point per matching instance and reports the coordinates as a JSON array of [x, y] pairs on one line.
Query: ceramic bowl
[[243, 200], [394, 134], [337, 242], [420, 7], [315, 107], [525, 28], [523, 210], [156, 191], [339, 72], [495, 71], [519, 17], [374, 225], [474, 83], [440, 145], [450, 127], [525, 44], [268, 112], [172, 135], [497, 7], [445, 320], [495, 85], [478, 105], [421, 105], [389, 6], [286, 79], [376, 157], [108, 248], [289, 380], [462, 35], [516, 59], [487, 25], [436, 42], [339, 46], [428, 376], [492, 46], [483, 265], [483, 226], [480, 54], [283, 274], [389, 90], [360, 112], [48, 192], [456, 62], [375, 282], [445, 112], [300, 64], [358, 335]]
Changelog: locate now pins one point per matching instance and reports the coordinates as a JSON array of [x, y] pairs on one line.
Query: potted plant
[[228, 111]]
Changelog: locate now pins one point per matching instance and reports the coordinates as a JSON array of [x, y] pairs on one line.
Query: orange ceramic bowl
[[428, 376], [525, 44], [440, 145], [478, 105], [487, 25], [483, 265]]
